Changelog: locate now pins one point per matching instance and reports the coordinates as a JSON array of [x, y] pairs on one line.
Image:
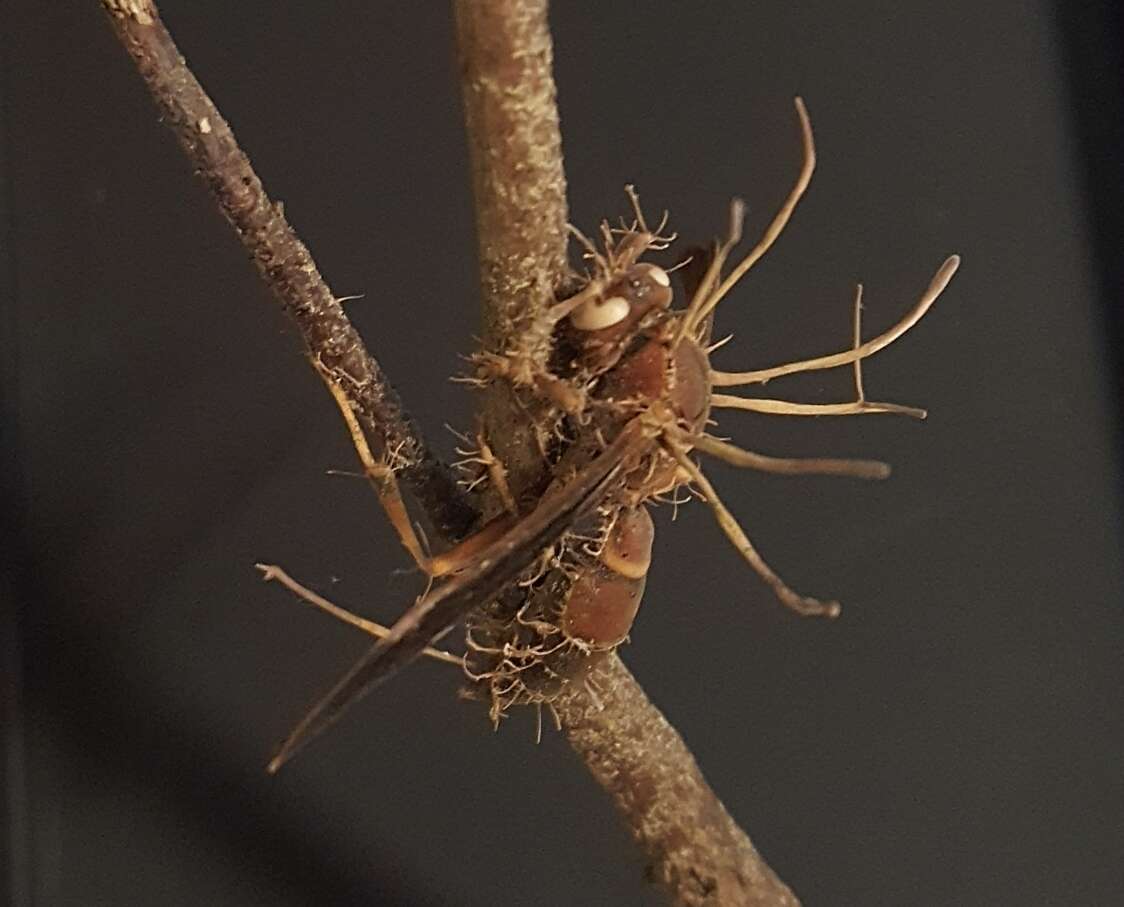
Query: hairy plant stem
[[695, 849], [515, 152]]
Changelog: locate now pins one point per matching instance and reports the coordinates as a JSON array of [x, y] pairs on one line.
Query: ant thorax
[[627, 349]]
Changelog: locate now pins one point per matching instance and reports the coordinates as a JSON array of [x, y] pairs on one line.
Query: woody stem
[[696, 851], [284, 262]]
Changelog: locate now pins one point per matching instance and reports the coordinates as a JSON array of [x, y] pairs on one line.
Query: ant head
[[636, 291], [623, 290]]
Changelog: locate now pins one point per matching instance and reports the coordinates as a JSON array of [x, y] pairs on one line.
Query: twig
[[284, 262], [519, 186], [271, 573], [696, 850]]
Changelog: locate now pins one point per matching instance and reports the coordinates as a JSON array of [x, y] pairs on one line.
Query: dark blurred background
[[954, 739]]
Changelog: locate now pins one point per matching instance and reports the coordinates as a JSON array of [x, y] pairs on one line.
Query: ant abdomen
[[604, 598]]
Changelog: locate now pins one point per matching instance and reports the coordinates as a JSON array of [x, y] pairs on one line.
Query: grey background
[[954, 739]]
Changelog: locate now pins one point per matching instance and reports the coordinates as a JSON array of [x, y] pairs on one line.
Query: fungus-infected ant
[[632, 381]]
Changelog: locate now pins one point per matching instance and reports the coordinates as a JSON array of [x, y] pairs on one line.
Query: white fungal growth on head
[[658, 274], [598, 314]]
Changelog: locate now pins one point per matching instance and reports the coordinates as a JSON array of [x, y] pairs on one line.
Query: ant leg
[[700, 308], [385, 484], [497, 473], [380, 475], [857, 341], [787, 408], [691, 321], [861, 351], [494, 470], [803, 466], [804, 605], [273, 573], [855, 356]]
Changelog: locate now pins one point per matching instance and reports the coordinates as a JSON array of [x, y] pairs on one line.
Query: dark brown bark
[[284, 262]]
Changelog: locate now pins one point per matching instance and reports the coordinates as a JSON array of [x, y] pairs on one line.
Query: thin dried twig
[[284, 262]]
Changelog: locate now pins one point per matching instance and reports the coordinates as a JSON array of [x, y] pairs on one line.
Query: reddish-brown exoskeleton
[[631, 381]]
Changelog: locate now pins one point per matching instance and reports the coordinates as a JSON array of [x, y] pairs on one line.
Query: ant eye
[[598, 314]]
